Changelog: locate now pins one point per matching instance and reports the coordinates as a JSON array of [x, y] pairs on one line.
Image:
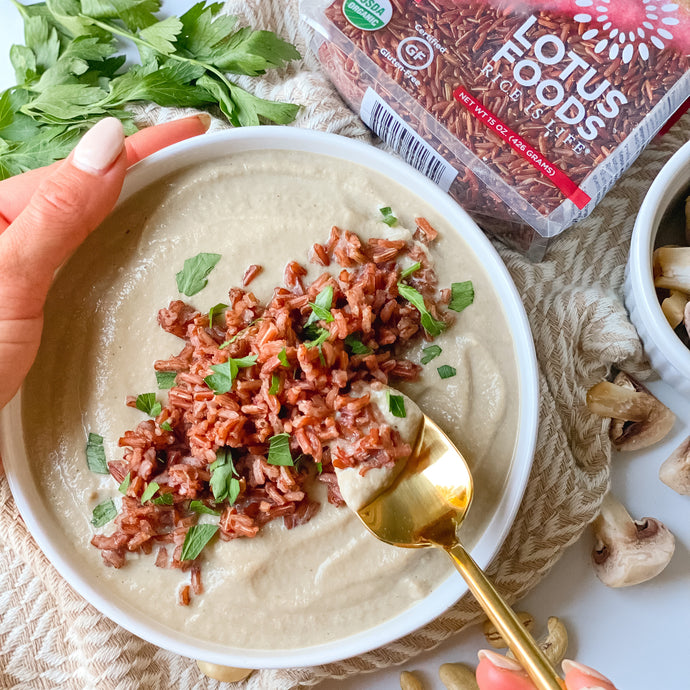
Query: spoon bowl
[[424, 507]]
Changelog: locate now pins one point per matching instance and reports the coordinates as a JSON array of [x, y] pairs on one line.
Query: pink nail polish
[[99, 148], [569, 665], [499, 660]]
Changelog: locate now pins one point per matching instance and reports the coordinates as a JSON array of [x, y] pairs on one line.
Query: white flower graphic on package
[[654, 23]]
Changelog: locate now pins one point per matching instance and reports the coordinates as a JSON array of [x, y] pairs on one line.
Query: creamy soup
[[326, 579]]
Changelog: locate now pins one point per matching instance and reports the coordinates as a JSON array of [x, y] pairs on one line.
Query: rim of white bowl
[[217, 145], [663, 189]]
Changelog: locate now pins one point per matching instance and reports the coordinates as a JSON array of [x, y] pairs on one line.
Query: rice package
[[525, 112]]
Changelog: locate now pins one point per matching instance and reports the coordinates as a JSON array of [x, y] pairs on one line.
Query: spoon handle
[[521, 643]]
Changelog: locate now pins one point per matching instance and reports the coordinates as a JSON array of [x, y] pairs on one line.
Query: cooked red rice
[[315, 403]]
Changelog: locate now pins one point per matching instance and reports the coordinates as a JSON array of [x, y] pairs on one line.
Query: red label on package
[[523, 148]]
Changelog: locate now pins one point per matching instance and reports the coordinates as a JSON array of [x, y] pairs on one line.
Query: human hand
[[497, 672], [45, 214]]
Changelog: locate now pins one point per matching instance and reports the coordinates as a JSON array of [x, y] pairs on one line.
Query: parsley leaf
[[95, 454], [223, 484], [192, 278], [224, 374], [430, 352], [317, 334], [396, 404], [410, 269], [445, 371], [103, 513], [203, 509], [357, 346], [146, 402], [196, 538], [321, 307], [125, 484], [279, 450], [282, 358], [216, 308], [165, 379], [275, 385], [462, 295], [149, 491], [388, 218], [163, 500], [166, 426], [431, 325]]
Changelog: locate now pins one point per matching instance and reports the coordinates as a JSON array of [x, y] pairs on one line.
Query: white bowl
[[668, 355], [53, 544]]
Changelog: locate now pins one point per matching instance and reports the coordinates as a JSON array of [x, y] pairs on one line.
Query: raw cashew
[[554, 644], [410, 681], [458, 677], [493, 637], [225, 674]]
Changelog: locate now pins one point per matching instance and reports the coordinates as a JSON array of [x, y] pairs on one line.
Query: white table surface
[[639, 636]]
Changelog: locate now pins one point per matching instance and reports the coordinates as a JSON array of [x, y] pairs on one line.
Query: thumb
[[63, 210]]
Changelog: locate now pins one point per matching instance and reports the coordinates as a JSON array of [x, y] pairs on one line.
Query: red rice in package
[[525, 112]]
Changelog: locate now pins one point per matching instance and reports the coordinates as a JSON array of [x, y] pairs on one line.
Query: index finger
[[16, 191]]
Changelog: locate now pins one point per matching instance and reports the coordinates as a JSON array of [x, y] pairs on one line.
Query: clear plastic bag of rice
[[525, 112]]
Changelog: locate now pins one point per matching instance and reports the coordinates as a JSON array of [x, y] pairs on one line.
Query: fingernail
[[499, 660], [99, 148], [205, 120], [569, 665]]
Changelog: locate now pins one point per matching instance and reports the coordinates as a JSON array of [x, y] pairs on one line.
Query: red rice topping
[[315, 403]]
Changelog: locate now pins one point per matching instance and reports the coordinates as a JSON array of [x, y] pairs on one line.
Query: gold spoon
[[424, 506]]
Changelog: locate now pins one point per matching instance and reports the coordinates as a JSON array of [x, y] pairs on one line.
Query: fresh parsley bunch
[[70, 71]]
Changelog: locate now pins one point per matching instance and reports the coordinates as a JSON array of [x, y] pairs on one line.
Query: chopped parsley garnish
[[388, 218], [166, 426], [462, 295], [357, 347], [95, 454], [430, 352], [321, 307], [196, 538], [202, 508], [445, 371], [275, 385], [103, 513], [279, 450], [163, 500], [396, 404], [165, 379], [282, 358], [192, 278], [223, 484], [149, 491], [411, 269], [220, 381], [214, 310], [431, 325], [318, 336], [125, 484], [146, 402], [319, 467]]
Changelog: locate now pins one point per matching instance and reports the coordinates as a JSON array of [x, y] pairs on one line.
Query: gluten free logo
[[368, 15]]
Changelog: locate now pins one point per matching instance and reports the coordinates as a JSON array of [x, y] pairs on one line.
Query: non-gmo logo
[[415, 53]]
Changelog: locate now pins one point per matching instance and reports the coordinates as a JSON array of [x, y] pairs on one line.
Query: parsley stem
[[142, 42]]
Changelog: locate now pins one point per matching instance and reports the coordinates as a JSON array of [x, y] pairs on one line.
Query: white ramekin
[[669, 357], [58, 550]]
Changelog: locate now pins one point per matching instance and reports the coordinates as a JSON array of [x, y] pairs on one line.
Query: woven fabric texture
[[50, 637]]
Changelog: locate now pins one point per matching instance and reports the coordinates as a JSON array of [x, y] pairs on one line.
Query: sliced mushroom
[[675, 472], [626, 551], [674, 308], [628, 431], [672, 268]]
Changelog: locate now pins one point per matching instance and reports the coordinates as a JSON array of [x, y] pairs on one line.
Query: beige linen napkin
[[50, 637]]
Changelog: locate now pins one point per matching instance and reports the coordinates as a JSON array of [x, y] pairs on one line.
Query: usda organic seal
[[368, 15]]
